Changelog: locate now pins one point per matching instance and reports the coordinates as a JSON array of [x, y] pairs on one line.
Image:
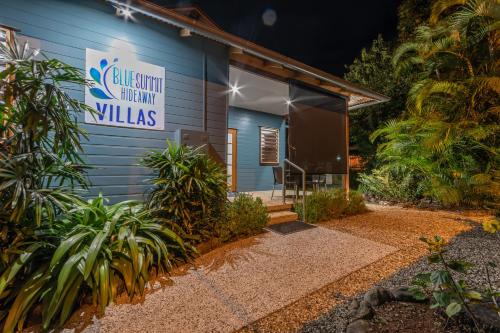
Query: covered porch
[[280, 131]]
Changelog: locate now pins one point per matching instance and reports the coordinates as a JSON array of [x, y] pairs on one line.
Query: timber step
[[282, 217], [279, 207]]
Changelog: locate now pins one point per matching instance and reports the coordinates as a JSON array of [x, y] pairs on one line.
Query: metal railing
[[285, 162]]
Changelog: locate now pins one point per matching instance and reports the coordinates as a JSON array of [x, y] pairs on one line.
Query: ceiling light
[[235, 89]]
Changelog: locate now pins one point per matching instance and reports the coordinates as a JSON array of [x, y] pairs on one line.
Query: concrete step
[[282, 217], [276, 207]]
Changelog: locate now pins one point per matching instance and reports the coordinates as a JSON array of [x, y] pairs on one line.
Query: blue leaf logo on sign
[[125, 92], [102, 91]]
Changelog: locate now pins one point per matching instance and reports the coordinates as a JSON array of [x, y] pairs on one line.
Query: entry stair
[[281, 213]]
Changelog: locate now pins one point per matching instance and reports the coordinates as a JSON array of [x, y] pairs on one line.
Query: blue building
[[171, 73]]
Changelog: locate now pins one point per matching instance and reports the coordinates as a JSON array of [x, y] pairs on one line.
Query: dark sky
[[325, 34]]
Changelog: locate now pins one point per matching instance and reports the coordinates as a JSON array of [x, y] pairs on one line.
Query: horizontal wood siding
[[252, 176], [65, 28]]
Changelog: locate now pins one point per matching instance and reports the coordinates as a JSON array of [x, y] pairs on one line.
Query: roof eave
[[171, 17]]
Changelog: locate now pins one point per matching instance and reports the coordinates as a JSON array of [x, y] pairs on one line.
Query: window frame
[[277, 130]]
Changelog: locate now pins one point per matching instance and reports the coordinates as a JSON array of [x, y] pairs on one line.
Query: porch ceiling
[[256, 92]]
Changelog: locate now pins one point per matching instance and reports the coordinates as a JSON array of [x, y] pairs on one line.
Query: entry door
[[232, 155]]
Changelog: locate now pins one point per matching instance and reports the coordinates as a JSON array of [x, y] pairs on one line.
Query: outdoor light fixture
[[125, 12], [235, 89], [185, 32]]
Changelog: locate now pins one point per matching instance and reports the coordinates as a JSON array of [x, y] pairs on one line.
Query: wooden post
[[345, 177]]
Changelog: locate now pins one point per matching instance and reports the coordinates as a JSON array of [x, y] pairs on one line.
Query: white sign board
[[125, 92]]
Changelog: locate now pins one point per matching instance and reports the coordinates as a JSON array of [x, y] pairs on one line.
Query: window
[[269, 146]]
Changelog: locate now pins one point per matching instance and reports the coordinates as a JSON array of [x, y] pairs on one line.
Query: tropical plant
[[411, 14], [373, 69], [244, 216], [447, 291], [97, 249], [190, 189], [39, 143], [447, 146], [325, 205], [41, 138]]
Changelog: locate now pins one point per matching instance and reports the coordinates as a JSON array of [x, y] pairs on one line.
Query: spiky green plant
[[447, 147], [190, 189], [41, 138], [95, 248]]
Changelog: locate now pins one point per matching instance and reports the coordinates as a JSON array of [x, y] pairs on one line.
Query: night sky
[[325, 34]]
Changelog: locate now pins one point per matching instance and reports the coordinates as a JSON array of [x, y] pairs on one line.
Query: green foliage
[[411, 14], [95, 248], [55, 248], [325, 205], [244, 216], [448, 293], [373, 69], [190, 189], [446, 147], [39, 144], [31, 160]]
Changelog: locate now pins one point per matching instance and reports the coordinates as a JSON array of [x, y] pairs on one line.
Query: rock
[[353, 307], [365, 311], [156, 285], [486, 316], [377, 296], [358, 326], [403, 294]]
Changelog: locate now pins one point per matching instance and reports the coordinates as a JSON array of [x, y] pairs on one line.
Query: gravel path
[[325, 310], [236, 285]]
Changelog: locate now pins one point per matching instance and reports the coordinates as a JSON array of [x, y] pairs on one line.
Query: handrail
[[286, 161]]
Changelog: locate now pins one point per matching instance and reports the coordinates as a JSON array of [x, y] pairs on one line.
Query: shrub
[[356, 203], [55, 248], [325, 205], [38, 120], [95, 248], [245, 216], [190, 189], [39, 144]]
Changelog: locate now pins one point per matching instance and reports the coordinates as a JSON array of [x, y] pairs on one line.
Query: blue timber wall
[[251, 175], [64, 29]]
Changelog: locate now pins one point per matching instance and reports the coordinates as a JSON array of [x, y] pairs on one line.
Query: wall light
[[125, 12], [235, 89], [288, 102]]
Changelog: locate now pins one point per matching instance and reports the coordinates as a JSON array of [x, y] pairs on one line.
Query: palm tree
[[448, 144]]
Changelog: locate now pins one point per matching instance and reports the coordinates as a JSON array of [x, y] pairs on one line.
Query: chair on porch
[[278, 178]]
